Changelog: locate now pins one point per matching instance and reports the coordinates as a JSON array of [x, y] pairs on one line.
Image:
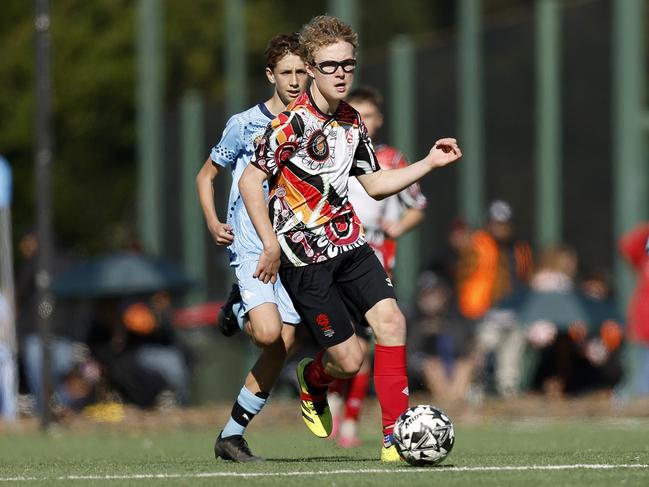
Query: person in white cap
[[493, 273]]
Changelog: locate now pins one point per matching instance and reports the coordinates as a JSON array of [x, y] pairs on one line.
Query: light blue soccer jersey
[[235, 149]]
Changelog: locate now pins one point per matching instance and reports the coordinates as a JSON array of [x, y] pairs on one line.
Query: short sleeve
[[279, 143], [226, 152], [365, 161]]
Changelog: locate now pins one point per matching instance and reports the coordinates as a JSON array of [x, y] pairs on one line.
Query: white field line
[[437, 470]]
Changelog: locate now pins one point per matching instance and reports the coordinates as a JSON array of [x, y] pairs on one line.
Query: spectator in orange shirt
[[495, 265], [493, 274]]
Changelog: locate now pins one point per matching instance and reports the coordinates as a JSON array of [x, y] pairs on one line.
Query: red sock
[[315, 375], [391, 383], [357, 391]]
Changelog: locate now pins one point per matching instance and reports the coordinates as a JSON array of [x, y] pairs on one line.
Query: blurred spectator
[[444, 262], [556, 323], [495, 265], [499, 336], [68, 324], [150, 327], [493, 275], [605, 333], [445, 339], [134, 341], [634, 247]]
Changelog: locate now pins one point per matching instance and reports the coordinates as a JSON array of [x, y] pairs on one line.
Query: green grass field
[[571, 453]]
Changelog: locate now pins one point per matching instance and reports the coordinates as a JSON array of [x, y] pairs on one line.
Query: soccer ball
[[424, 435]]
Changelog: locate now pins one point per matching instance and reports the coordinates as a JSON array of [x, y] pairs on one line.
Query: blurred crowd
[[113, 348], [490, 318]]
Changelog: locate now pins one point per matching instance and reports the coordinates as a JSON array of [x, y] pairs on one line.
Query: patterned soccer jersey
[[235, 149], [310, 156], [373, 213]]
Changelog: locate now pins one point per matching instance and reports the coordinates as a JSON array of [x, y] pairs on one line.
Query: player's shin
[[246, 407], [315, 374], [391, 384]]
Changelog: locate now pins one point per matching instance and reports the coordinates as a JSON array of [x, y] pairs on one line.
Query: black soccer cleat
[[234, 449], [227, 320]]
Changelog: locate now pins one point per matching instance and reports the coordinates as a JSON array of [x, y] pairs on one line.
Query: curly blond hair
[[322, 31]]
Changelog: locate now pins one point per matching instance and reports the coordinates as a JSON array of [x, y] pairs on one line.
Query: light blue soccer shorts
[[254, 292]]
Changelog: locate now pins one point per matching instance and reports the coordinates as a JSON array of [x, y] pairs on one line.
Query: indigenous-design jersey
[[310, 156], [373, 213], [241, 135]]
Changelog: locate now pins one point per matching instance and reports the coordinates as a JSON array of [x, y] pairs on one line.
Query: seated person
[[446, 340]]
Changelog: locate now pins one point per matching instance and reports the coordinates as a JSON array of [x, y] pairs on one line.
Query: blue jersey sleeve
[[226, 152]]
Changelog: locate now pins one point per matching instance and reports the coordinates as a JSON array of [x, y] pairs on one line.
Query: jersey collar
[[264, 109]]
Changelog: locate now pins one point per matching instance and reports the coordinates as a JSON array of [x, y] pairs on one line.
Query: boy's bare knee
[[390, 327], [350, 367], [351, 362], [265, 337]]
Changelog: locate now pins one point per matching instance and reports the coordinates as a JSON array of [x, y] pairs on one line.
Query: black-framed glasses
[[330, 67]]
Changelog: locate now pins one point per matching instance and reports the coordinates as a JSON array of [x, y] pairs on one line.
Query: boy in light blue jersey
[[266, 307]]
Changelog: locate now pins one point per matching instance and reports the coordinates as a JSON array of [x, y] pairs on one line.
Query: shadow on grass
[[334, 459], [345, 459]]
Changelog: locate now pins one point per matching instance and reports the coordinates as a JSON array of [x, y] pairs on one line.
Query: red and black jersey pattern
[[310, 156], [374, 214], [391, 158]]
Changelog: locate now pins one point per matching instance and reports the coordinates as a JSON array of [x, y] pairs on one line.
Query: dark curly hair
[[279, 46]]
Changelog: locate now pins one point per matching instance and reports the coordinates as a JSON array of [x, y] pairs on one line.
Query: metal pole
[[43, 163], [471, 132], [548, 124], [149, 123], [629, 153], [403, 136], [348, 11], [193, 228], [236, 81], [236, 100]]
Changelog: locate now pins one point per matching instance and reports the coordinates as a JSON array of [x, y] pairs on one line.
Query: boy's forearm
[[205, 190], [252, 193], [410, 219], [387, 182]]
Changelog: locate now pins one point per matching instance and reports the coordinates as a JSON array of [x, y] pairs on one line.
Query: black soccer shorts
[[330, 294]]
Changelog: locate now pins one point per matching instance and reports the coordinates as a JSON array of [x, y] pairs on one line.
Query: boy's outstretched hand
[[444, 152]]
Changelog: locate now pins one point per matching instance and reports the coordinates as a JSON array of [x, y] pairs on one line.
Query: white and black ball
[[424, 435]]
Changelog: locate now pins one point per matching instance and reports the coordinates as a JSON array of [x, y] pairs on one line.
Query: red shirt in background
[[633, 249]]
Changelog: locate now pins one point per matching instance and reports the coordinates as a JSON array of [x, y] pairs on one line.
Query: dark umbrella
[[560, 308], [120, 274]]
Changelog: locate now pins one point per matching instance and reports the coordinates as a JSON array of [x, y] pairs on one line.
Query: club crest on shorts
[[322, 320]]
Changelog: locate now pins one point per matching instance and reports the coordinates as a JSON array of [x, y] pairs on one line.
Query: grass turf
[[179, 457]]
